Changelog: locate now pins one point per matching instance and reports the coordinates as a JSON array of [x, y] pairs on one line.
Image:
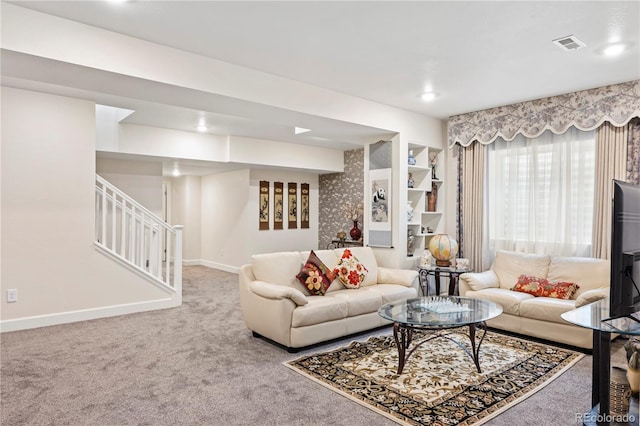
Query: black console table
[[592, 316]]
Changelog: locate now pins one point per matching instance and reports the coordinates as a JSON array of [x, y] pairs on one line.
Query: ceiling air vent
[[569, 42]]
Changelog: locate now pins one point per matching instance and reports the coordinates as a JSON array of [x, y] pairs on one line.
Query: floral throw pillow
[[542, 287], [350, 271], [315, 275]]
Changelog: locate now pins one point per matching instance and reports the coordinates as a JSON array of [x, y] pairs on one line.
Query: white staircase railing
[[134, 235]]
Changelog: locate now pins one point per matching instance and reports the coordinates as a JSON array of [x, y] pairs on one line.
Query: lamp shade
[[443, 248]]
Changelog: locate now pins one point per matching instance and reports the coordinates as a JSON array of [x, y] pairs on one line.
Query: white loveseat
[[534, 316], [275, 305]]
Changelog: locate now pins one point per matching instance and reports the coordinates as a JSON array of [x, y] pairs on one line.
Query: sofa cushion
[[392, 292], [350, 271], [405, 277], [588, 273], [508, 266], [315, 275], [358, 302], [480, 280], [278, 268], [368, 260], [541, 287], [546, 308], [320, 309], [509, 300]]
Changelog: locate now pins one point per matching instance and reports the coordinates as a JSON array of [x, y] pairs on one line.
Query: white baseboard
[[107, 311], [210, 264], [85, 314]]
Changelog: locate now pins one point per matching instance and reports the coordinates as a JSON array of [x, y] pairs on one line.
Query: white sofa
[[534, 316], [275, 305]]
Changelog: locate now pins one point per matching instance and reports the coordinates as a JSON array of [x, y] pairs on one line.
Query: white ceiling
[[474, 54]]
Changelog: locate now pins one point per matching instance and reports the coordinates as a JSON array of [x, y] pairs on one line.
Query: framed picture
[[292, 206], [263, 204], [278, 205], [304, 206]]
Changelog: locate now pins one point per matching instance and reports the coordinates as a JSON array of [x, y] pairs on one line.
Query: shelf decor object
[[443, 248], [263, 202], [412, 159]]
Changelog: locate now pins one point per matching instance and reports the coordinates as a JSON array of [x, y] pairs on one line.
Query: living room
[[56, 76]]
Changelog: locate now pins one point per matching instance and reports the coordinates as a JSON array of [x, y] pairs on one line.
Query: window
[[540, 194]]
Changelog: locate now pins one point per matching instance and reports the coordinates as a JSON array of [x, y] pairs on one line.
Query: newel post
[[177, 264]]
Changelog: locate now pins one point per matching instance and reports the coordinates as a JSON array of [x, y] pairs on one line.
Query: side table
[[595, 316], [438, 272]]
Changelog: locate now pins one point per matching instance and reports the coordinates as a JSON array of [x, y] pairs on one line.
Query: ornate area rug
[[440, 384]]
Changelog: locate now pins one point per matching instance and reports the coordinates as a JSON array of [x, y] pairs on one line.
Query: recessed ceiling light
[[201, 128], [428, 96], [614, 49], [300, 130], [176, 172]]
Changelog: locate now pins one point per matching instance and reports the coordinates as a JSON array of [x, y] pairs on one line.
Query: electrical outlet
[[12, 295]]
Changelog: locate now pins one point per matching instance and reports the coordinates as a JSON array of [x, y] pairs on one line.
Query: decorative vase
[[412, 159], [443, 248], [409, 211], [410, 181], [355, 232], [341, 235], [432, 198], [411, 242]]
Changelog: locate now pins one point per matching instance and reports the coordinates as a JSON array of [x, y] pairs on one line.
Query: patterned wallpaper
[[335, 190]]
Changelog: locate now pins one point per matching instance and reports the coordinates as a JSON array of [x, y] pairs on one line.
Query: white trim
[[85, 314], [214, 265]]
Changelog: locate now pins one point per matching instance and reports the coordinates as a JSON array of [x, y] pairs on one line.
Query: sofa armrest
[[477, 281], [274, 291], [591, 296], [404, 277]]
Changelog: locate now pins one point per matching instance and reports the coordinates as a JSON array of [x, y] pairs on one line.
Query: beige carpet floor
[[198, 365]]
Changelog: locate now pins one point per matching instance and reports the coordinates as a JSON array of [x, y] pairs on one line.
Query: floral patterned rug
[[440, 384]]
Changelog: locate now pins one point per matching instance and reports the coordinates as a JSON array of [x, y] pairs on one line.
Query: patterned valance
[[586, 110]]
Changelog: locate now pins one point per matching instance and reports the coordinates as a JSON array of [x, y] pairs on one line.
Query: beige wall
[[185, 202], [48, 208], [141, 180]]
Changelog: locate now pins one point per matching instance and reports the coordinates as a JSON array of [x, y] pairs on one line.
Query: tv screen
[[625, 250]]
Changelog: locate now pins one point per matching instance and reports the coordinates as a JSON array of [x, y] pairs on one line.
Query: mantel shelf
[[431, 213]]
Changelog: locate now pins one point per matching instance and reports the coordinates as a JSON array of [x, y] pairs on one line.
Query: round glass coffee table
[[441, 314]]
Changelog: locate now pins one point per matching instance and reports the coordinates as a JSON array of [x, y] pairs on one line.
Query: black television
[[625, 251]]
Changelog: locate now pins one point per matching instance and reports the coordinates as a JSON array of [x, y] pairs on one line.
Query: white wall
[[185, 206], [229, 216], [48, 209], [147, 140], [141, 180]]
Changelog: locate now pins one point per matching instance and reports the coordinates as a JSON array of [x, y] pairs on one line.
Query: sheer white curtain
[[540, 194]]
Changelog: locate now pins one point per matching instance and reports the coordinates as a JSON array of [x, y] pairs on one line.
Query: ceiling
[[473, 54]]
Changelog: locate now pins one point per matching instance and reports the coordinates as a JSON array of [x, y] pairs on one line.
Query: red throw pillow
[[315, 275], [541, 287]]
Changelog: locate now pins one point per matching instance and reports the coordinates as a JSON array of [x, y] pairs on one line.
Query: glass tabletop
[[596, 317], [440, 311]]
